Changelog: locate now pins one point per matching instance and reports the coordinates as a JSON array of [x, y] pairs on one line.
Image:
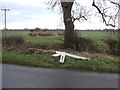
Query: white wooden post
[[62, 58], [63, 54]]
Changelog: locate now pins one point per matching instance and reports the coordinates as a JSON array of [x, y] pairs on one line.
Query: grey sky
[[35, 13]]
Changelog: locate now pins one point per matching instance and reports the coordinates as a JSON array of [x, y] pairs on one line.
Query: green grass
[[99, 63], [42, 39], [97, 37], [15, 33], [34, 40]]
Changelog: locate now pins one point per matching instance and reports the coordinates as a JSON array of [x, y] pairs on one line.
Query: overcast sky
[[35, 13]]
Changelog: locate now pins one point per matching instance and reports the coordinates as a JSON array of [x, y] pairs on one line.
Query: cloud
[[26, 16], [34, 13], [32, 3]]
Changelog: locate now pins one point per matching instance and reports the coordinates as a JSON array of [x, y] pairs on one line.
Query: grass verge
[[98, 62]]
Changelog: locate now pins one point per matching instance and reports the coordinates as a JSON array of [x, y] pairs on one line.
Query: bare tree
[[107, 9]]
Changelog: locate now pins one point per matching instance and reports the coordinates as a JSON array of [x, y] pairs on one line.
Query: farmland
[[98, 61], [96, 36]]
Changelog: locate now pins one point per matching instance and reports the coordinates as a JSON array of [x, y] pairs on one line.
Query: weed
[[55, 46], [113, 46], [46, 60], [12, 41], [60, 34], [45, 34], [84, 44]]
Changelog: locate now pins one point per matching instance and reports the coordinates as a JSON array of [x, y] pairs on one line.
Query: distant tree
[[26, 29], [107, 9], [45, 29], [37, 29], [31, 30]]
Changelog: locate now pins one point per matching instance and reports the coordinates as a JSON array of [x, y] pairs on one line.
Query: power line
[[5, 9]]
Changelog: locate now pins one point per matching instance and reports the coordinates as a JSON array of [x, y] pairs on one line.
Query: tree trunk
[[69, 26]]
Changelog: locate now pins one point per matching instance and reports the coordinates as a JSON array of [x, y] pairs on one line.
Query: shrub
[[32, 34], [49, 46], [84, 44], [60, 34], [12, 41], [113, 46], [45, 34]]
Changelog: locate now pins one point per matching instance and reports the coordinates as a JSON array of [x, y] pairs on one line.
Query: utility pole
[[4, 9], [118, 29]]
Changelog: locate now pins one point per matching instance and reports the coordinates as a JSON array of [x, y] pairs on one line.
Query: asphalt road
[[14, 76]]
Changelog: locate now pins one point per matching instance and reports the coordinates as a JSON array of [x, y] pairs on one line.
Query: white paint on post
[[62, 58], [63, 54], [55, 55]]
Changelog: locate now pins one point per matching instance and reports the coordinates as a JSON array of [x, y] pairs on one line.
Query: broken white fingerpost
[[63, 54], [62, 58]]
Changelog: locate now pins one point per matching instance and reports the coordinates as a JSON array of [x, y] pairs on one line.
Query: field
[[102, 62], [94, 35]]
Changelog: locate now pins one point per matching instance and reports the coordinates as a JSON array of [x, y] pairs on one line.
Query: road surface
[[14, 76]]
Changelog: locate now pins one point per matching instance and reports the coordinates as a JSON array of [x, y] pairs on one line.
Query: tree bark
[[69, 26]]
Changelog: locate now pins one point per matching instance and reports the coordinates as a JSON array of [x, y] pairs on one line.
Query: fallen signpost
[[63, 54]]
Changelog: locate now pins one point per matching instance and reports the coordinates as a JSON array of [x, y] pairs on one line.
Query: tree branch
[[118, 4], [73, 19], [102, 14]]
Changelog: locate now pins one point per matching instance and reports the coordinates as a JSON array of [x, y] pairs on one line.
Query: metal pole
[[5, 20], [4, 9], [118, 29]]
